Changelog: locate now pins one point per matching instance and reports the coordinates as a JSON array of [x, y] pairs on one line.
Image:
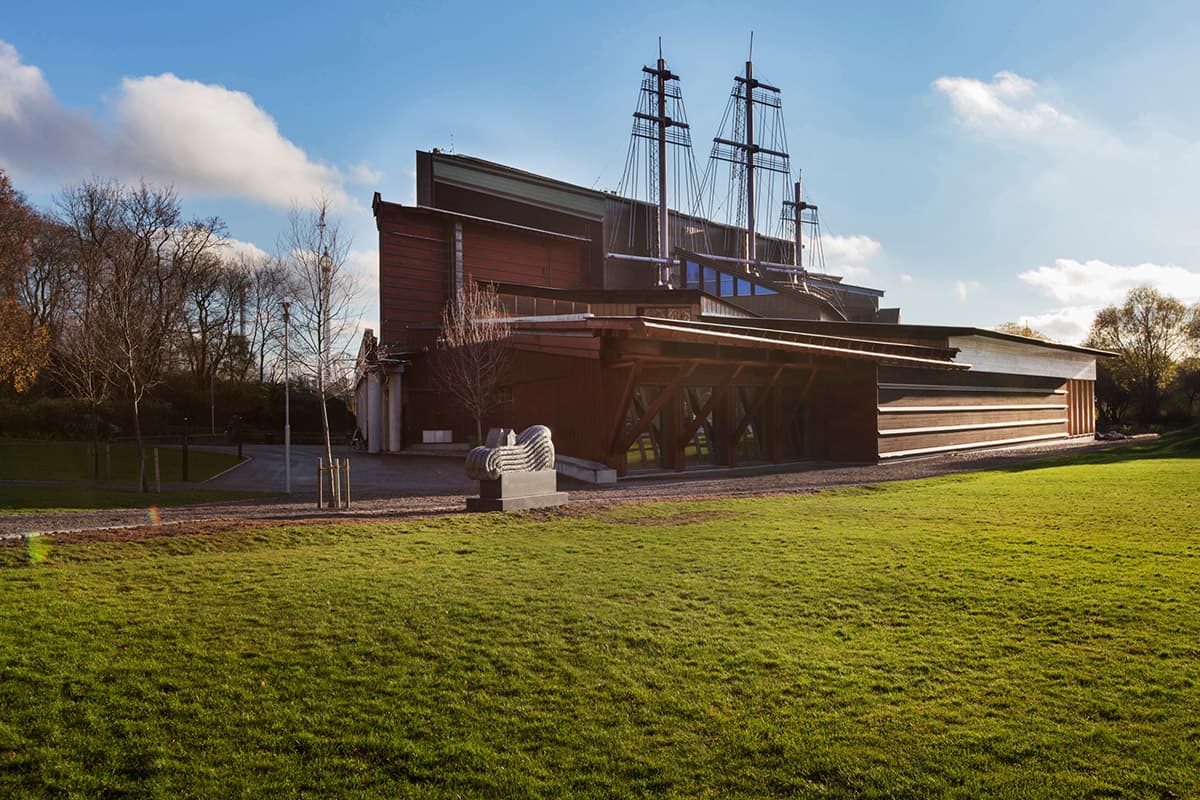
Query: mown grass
[[37, 498], [1023, 633], [73, 461]]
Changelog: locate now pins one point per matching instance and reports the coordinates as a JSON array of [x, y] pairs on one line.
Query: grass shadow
[[1176, 444]]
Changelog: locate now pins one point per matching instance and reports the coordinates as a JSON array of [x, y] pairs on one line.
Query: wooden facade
[[672, 379]]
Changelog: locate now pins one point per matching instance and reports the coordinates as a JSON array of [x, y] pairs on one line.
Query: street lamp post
[[287, 406]]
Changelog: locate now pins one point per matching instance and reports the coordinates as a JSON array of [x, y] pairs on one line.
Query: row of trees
[[1156, 371], [114, 291]]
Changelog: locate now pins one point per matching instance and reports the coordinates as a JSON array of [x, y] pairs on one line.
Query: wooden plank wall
[[414, 255], [930, 411], [1081, 407], [418, 268], [513, 256]]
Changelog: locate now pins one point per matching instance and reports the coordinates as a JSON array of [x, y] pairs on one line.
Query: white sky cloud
[[1009, 104], [1083, 288], [202, 138], [849, 256], [1069, 324], [964, 288], [1096, 283], [236, 248]]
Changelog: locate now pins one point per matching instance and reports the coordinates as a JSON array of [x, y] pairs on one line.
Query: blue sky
[[981, 162]]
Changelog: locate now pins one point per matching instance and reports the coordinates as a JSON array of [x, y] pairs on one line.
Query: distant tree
[[268, 287], [24, 342], [44, 288], [322, 313], [139, 260], [1187, 382], [1021, 329], [1149, 332], [474, 360], [214, 310]]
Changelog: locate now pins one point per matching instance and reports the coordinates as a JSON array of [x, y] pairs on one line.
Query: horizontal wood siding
[[927, 411], [500, 254], [414, 268], [561, 391]]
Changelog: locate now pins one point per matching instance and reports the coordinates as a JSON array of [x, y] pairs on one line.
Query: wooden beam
[[707, 408], [755, 406], [663, 398], [623, 401]]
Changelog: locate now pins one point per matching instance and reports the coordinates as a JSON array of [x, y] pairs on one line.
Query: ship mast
[[661, 123], [660, 131], [745, 154]]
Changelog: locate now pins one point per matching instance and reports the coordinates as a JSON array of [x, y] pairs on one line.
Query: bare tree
[[323, 295], [267, 288], [214, 309], [1021, 329], [141, 259], [474, 361]]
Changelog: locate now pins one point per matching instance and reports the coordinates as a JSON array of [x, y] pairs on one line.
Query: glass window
[[744, 288], [692, 281], [726, 285]]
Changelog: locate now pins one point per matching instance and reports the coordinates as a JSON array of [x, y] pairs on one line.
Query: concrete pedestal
[[517, 491]]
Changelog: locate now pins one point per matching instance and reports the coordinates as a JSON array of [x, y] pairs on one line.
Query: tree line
[[114, 297], [1154, 377]]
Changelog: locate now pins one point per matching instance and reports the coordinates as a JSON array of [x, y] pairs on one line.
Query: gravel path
[[791, 479]]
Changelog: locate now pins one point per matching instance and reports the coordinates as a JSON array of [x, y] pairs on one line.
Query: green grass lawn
[[1023, 633], [31, 499], [72, 461]]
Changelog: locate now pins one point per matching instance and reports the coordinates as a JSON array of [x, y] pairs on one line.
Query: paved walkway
[[402, 486]]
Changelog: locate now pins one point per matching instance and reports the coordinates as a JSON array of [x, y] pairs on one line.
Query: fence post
[[347, 483]]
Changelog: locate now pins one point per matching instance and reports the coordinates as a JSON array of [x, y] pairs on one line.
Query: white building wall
[[986, 354]]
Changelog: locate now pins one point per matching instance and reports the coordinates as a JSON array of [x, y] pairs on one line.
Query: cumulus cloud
[[36, 132], [1009, 104], [202, 138], [1083, 288], [1096, 283], [237, 249], [1069, 324], [849, 256]]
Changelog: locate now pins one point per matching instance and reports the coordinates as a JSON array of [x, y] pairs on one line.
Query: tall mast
[[736, 145], [798, 256], [664, 230], [751, 239], [662, 123]]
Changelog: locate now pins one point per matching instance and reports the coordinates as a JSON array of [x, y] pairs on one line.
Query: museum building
[[648, 338]]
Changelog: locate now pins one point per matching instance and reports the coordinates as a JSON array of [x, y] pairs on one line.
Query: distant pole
[[287, 406], [184, 469]]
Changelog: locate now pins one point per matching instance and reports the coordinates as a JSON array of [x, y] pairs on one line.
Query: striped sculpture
[[529, 451]]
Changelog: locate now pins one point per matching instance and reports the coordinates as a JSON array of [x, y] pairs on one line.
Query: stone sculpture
[[505, 451], [515, 471]]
